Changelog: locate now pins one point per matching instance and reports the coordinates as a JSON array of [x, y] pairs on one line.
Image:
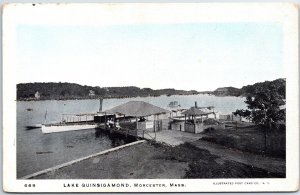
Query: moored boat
[[60, 127], [72, 122]]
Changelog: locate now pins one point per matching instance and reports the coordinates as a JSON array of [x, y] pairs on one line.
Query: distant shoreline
[[73, 91], [98, 98]]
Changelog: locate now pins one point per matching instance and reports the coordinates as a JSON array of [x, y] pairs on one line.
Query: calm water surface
[[37, 151]]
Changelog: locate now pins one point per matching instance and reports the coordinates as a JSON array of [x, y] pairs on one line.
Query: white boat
[[71, 122], [60, 127], [174, 104], [74, 122]]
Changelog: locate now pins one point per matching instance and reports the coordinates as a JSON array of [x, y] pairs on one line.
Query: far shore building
[[91, 93], [37, 95]]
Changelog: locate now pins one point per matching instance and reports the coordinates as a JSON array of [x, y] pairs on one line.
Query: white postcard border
[[284, 13]]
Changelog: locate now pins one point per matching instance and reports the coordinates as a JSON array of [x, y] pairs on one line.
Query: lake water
[[37, 151]]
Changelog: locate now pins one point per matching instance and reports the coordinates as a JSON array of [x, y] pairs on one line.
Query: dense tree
[[265, 107], [250, 90], [278, 84]]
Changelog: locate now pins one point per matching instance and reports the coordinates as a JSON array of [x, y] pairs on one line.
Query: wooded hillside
[[27, 91], [278, 84]]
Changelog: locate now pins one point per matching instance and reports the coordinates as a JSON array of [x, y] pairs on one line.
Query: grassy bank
[[250, 139], [202, 164]]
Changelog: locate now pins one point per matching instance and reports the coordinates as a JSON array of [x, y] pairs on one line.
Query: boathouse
[[196, 121], [147, 116]]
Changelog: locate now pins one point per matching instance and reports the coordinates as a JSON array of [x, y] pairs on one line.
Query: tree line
[[51, 90], [249, 90]]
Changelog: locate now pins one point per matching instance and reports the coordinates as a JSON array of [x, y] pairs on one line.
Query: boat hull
[[66, 127], [29, 127]]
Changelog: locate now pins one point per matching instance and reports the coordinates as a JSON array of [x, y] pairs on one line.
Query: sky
[[199, 56]]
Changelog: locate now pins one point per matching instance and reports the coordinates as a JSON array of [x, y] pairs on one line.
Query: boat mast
[[46, 117], [100, 106]]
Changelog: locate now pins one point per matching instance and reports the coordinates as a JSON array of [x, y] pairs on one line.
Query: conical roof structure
[[137, 109], [195, 112]]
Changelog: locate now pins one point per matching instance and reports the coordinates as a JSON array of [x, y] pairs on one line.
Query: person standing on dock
[[108, 122], [111, 123], [118, 125]]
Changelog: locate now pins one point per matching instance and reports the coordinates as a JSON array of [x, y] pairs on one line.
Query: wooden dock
[[126, 132]]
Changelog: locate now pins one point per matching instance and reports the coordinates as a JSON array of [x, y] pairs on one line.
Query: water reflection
[[98, 133]]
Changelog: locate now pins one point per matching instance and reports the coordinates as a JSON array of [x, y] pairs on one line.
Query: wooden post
[[100, 105], [154, 124], [105, 120], [184, 121], [194, 124], [115, 117], [136, 120]]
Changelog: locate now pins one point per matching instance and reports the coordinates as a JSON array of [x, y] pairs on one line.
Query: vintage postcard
[[150, 97]]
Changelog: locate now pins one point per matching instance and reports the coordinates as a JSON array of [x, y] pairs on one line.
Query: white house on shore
[[37, 95], [91, 93]]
